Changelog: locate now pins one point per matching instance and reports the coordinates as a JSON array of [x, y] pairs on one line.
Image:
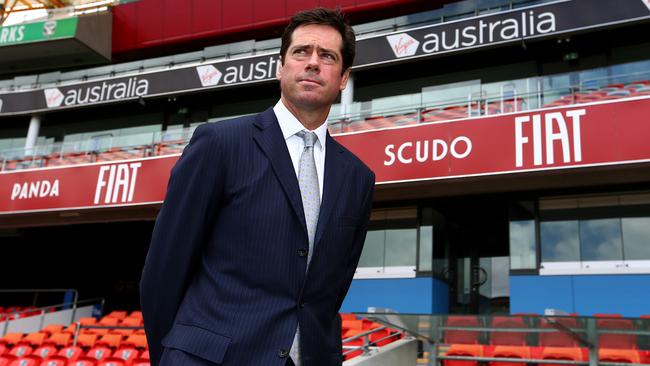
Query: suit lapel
[[336, 168], [270, 139]]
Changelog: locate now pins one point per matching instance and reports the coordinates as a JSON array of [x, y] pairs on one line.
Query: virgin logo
[[53, 97], [209, 75], [403, 44]]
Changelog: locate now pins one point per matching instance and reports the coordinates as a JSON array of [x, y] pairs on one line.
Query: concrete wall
[[35, 323]]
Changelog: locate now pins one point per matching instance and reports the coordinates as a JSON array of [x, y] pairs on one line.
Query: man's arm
[[359, 239], [192, 199]]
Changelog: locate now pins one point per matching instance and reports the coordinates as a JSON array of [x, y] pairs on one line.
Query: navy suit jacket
[[225, 281]]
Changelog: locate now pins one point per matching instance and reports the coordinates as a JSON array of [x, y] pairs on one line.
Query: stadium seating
[[510, 352], [464, 350], [611, 340], [53, 345], [59, 340], [66, 355], [447, 113], [142, 360], [462, 336], [562, 353], [559, 338], [619, 355], [508, 338]]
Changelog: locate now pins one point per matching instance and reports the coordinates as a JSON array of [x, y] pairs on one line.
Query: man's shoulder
[[236, 124], [355, 161]]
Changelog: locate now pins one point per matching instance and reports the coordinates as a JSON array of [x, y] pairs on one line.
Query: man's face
[[310, 77]]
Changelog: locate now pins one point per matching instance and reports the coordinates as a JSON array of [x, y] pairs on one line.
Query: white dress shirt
[[290, 125]]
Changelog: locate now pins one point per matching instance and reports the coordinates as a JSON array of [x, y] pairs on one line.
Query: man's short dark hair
[[323, 16]]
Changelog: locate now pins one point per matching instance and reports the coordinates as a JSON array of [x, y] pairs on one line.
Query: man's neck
[[311, 119]]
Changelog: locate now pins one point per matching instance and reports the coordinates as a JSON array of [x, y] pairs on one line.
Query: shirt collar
[[290, 125]]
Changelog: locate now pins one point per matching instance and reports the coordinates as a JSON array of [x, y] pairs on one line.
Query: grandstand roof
[[36, 7]]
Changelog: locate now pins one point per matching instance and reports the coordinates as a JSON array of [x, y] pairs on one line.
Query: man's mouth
[[310, 81]]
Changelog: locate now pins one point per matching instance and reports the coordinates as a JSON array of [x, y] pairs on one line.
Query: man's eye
[[299, 51]]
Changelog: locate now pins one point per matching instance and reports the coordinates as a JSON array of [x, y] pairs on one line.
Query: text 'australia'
[[486, 31], [95, 93]]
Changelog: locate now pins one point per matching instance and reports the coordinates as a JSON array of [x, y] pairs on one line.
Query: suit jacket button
[[302, 252], [282, 353], [301, 304]]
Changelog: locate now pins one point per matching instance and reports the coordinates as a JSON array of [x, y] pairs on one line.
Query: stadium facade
[[510, 140]]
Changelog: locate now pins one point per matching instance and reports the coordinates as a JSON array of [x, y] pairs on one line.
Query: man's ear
[[344, 78], [278, 70]]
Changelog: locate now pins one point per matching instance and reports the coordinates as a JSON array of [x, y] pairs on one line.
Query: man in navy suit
[[263, 223]]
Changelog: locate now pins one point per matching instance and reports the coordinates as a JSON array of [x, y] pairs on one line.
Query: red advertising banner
[[603, 133], [122, 183], [613, 132]]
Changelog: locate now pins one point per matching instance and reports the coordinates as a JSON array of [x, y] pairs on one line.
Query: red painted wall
[[167, 26]]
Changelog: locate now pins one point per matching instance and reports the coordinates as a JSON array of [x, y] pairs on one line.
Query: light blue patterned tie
[[310, 192]]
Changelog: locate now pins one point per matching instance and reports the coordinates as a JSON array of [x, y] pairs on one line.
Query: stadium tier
[[510, 221], [92, 342], [48, 156]]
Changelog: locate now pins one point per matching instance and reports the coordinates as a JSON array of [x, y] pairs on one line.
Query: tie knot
[[309, 138]]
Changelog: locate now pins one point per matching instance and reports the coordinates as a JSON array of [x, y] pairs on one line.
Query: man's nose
[[313, 62]]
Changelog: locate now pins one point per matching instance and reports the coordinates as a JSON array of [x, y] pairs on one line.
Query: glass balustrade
[[470, 99], [455, 340]]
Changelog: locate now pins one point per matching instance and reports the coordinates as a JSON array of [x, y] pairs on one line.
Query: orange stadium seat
[[510, 352], [355, 342], [619, 355], [562, 353], [132, 322], [26, 361], [111, 341], [559, 338], [462, 336], [53, 328], [45, 351], [83, 362], [508, 338], [34, 339], [126, 356], [348, 316], [142, 360], [609, 340], [382, 337], [352, 324], [106, 322], [128, 322], [59, 339], [87, 340], [117, 314], [464, 350], [67, 354], [138, 341], [54, 362], [135, 314], [367, 325], [97, 353], [21, 350], [15, 353], [123, 333], [11, 339]]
